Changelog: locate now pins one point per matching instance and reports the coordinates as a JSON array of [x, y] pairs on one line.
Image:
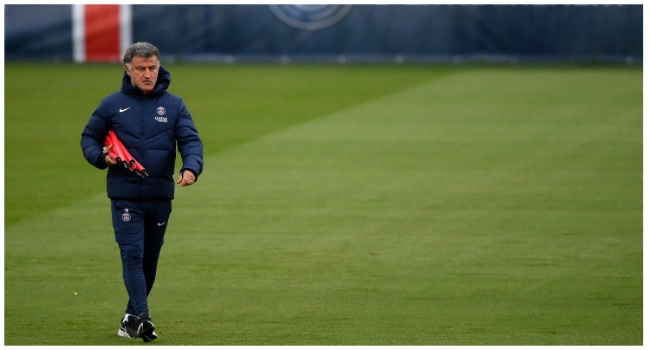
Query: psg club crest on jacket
[[161, 110], [126, 217]]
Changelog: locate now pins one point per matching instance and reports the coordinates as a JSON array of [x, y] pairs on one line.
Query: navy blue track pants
[[139, 232]]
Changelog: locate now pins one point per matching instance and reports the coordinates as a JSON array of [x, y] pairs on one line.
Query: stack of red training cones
[[122, 155]]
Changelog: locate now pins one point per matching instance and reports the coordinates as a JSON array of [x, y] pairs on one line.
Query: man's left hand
[[186, 178]]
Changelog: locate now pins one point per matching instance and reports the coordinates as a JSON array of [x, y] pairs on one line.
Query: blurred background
[[336, 33]]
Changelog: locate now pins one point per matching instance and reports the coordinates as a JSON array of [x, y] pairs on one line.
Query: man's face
[[143, 72]]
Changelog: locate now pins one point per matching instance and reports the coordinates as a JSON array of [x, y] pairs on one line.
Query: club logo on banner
[[310, 17]]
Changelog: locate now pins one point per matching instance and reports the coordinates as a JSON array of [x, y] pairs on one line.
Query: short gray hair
[[141, 49]]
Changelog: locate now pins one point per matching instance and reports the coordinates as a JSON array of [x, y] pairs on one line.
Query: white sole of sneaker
[[123, 334]]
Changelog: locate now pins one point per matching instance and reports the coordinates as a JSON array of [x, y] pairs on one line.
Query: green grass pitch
[[344, 205]]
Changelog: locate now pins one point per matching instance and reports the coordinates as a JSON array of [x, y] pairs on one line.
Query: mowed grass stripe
[[231, 105], [484, 208]]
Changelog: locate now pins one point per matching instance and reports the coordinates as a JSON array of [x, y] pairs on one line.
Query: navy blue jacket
[[150, 126]]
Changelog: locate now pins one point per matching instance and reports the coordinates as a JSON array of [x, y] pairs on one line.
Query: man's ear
[[126, 69]]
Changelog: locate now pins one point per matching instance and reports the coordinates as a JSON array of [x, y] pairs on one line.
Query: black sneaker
[[146, 328], [129, 327]]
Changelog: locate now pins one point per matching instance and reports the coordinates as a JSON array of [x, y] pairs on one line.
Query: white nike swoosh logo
[[162, 223], [125, 109]]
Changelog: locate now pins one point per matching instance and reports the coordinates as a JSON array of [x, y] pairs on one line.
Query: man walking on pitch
[[150, 123]]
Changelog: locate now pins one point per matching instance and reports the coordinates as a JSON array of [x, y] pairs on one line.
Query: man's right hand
[[109, 160]]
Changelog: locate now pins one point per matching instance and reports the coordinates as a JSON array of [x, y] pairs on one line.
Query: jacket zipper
[[142, 137]]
